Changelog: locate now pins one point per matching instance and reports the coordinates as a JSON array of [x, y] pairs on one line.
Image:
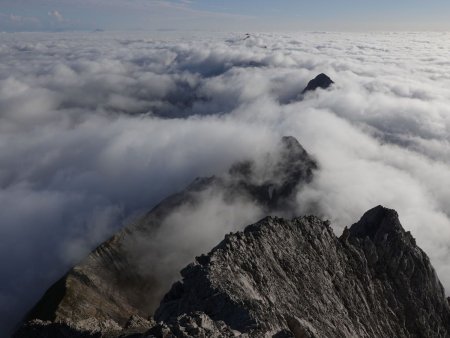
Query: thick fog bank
[[97, 128]]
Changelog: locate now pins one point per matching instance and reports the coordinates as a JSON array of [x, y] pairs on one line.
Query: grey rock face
[[294, 278], [135, 327], [197, 324], [320, 81], [297, 279], [45, 329], [110, 284]]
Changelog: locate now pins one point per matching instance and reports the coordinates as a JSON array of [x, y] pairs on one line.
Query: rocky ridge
[[277, 278], [295, 278], [108, 287]]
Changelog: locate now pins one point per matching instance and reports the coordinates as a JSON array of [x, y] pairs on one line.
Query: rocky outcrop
[[37, 328], [281, 278], [320, 81], [196, 324], [295, 278], [111, 284]]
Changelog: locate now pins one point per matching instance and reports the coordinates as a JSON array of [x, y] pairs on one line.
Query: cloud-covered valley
[[96, 128]]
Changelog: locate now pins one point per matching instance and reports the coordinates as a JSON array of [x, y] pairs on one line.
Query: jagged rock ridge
[[295, 278], [110, 286]]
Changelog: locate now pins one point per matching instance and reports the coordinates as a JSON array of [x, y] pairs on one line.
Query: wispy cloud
[[18, 20], [56, 15], [122, 14]]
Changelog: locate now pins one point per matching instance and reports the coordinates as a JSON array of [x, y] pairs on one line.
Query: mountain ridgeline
[[279, 277], [295, 278], [124, 276]]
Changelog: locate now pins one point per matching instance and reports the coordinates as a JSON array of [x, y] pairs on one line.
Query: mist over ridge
[[97, 128]]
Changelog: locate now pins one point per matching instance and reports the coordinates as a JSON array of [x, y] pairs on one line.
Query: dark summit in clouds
[[320, 81], [88, 138]]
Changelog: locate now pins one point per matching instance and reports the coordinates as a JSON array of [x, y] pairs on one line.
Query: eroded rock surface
[[196, 324], [295, 278]]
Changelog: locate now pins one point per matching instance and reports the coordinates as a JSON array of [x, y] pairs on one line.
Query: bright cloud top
[[88, 138]]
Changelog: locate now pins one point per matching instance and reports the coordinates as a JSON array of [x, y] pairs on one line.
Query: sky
[[224, 15]]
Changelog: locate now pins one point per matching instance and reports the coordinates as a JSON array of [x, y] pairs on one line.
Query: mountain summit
[[320, 81]]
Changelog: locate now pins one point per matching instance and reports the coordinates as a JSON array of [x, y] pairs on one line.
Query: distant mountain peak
[[322, 81]]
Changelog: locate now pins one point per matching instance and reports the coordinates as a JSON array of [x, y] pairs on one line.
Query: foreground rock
[[122, 277], [320, 81], [295, 278], [37, 328]]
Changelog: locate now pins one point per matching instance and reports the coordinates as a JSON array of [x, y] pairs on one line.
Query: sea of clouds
[[96, 128]]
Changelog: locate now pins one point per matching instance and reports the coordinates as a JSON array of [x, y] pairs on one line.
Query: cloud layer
[[97, 128]]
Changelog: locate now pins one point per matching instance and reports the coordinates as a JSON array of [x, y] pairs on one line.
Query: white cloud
[[18, 21], [82, 148], [56, 15]]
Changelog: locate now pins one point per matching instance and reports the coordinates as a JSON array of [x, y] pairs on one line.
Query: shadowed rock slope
[[295, 278], [111, 285]]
